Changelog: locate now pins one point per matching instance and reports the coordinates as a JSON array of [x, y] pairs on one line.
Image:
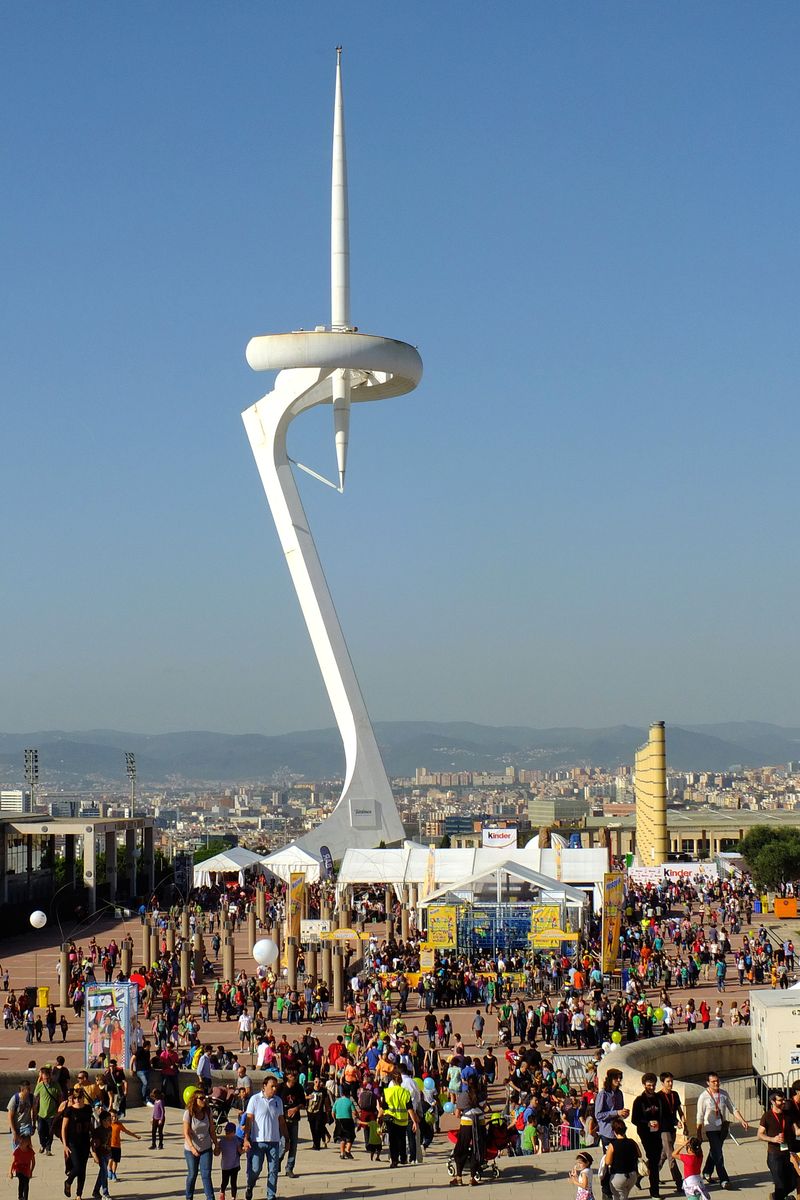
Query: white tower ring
[[388, 367]]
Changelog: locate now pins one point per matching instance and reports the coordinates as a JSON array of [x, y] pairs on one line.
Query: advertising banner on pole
[[613, 903], [297, 883], [430, 871], [111, 1018], [442, 927]]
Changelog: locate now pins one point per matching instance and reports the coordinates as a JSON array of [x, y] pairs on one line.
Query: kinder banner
[[297, 883], [442, 926], [499, 839], [111, 1011], [613, 903]]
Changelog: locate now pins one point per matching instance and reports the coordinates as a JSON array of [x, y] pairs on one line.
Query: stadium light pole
[[130, 768], [32, 773]]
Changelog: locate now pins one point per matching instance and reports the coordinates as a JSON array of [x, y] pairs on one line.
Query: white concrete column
[[130, 858], [148, 860], [111, 864]]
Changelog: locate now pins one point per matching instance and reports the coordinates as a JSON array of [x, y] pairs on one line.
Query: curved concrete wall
[[685, 1054]]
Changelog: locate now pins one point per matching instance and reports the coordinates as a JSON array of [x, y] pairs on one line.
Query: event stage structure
[[335, 366]]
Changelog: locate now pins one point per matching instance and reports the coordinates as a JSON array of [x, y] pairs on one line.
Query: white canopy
[[235, 860], [552, 890], [398, 868], [292, 860]]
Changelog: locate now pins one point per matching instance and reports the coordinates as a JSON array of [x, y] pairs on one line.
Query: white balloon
[[38, 919], [265, 952]]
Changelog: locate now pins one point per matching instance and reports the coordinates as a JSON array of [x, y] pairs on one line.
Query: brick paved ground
[[31, 958]]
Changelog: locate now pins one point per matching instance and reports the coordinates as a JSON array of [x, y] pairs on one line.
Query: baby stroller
[[220, 1103], [485, 1148]]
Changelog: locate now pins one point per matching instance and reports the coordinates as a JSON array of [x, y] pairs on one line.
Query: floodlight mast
[[335, 366]]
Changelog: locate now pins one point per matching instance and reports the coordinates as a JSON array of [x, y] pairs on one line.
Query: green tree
[[215, 846], [773, 855]]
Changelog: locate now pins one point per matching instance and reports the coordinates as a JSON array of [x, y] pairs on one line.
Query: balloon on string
[[265, 952], [449, 1106], [430, 1084], [659, 1014], [616, 1037], [188, 1092], [38, 919]]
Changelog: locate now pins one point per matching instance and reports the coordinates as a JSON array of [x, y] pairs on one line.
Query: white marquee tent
[[409, 865], [292, 860], [236, 860]]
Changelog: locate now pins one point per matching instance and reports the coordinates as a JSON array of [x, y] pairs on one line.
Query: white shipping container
[[775, 1032]]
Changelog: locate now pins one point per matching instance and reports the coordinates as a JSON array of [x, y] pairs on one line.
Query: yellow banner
[[442, 926], [297, 883], [427, 960], [551, 939], [430, 872], [544, 917], [613, 902]]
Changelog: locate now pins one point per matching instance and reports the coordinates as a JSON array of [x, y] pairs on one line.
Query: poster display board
[[111, 1018], [442, 926]]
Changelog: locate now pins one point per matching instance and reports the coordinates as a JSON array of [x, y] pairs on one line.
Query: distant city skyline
[[585, 515]]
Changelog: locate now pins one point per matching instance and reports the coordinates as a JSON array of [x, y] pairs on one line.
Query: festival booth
[[235, 861], [292, 860], [505, 907]]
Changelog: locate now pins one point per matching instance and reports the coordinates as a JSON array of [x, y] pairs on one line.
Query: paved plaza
[[146, 1173], [32, 960]]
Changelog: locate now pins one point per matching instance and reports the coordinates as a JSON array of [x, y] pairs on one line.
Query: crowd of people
[[479, 1042]]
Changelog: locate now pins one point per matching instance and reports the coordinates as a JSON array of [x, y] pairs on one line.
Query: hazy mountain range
[[76, 760]]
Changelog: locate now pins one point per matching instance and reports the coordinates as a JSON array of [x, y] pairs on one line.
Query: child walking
[[23, 1160], [230, 1148], [581, 1176], [115, 1148], [158, 1114], [691, 1155]]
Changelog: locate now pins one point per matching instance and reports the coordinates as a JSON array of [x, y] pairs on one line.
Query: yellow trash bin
[[44, 997]]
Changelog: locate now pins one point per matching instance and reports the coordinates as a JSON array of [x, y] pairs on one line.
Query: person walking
[[713, 1107], [199, 1144], [776, 1128], [76, 1132], [609, 1105], [46, 1099], [264, 1127], [396, 1107], [672, 1117], [621, 1161], [646, 1116], [294, 1100]]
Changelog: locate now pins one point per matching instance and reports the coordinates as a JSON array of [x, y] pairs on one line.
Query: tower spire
[[340, 225], [340, 272]]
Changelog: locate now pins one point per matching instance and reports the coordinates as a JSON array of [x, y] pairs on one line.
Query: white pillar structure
[[335, 366]]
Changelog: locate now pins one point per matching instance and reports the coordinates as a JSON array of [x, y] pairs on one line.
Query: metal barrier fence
[[750, 1093]]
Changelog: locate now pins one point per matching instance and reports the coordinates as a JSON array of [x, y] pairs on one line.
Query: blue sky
[[584, 215]]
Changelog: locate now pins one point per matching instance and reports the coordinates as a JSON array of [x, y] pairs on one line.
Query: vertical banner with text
[[613, 901], [297, 883]]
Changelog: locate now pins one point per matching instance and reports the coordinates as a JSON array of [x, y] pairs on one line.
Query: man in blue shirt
[[264, 1127]]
